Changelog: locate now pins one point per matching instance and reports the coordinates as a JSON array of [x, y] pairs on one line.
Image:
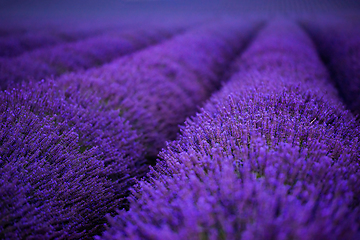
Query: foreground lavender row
[[273, 155], [92, 52], [338, 42], [65, 162], [157, 88], [67, 158]]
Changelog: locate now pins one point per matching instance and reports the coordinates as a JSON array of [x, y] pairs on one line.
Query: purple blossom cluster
[[65, 161], [341, 53], [68, 57], [157, 88], [272, 155]]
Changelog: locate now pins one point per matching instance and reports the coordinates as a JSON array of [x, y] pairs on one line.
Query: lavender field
[[170, 120]]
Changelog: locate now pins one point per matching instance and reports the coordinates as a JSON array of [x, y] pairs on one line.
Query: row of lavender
[[70, 148], [19, 38], [16, 42], [80, 55], [273, 155], [338, 42]]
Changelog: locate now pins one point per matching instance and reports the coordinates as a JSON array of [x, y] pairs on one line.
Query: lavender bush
[[65, 162], [338, 42], [80, 55], [157, 88], [273, 155]]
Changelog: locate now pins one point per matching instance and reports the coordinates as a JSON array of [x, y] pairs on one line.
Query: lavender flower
[[273, 155]]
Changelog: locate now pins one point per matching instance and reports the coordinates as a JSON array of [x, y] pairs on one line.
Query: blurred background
[[99, 12]]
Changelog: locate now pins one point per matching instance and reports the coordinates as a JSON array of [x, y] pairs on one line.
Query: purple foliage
[[80, 55], [273, 155], [65, 162], [338, 42], [157, 88]]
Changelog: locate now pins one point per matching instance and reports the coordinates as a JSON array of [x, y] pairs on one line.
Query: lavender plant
[[273, 155], [80, 55], [338, 42], [65, 162]]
